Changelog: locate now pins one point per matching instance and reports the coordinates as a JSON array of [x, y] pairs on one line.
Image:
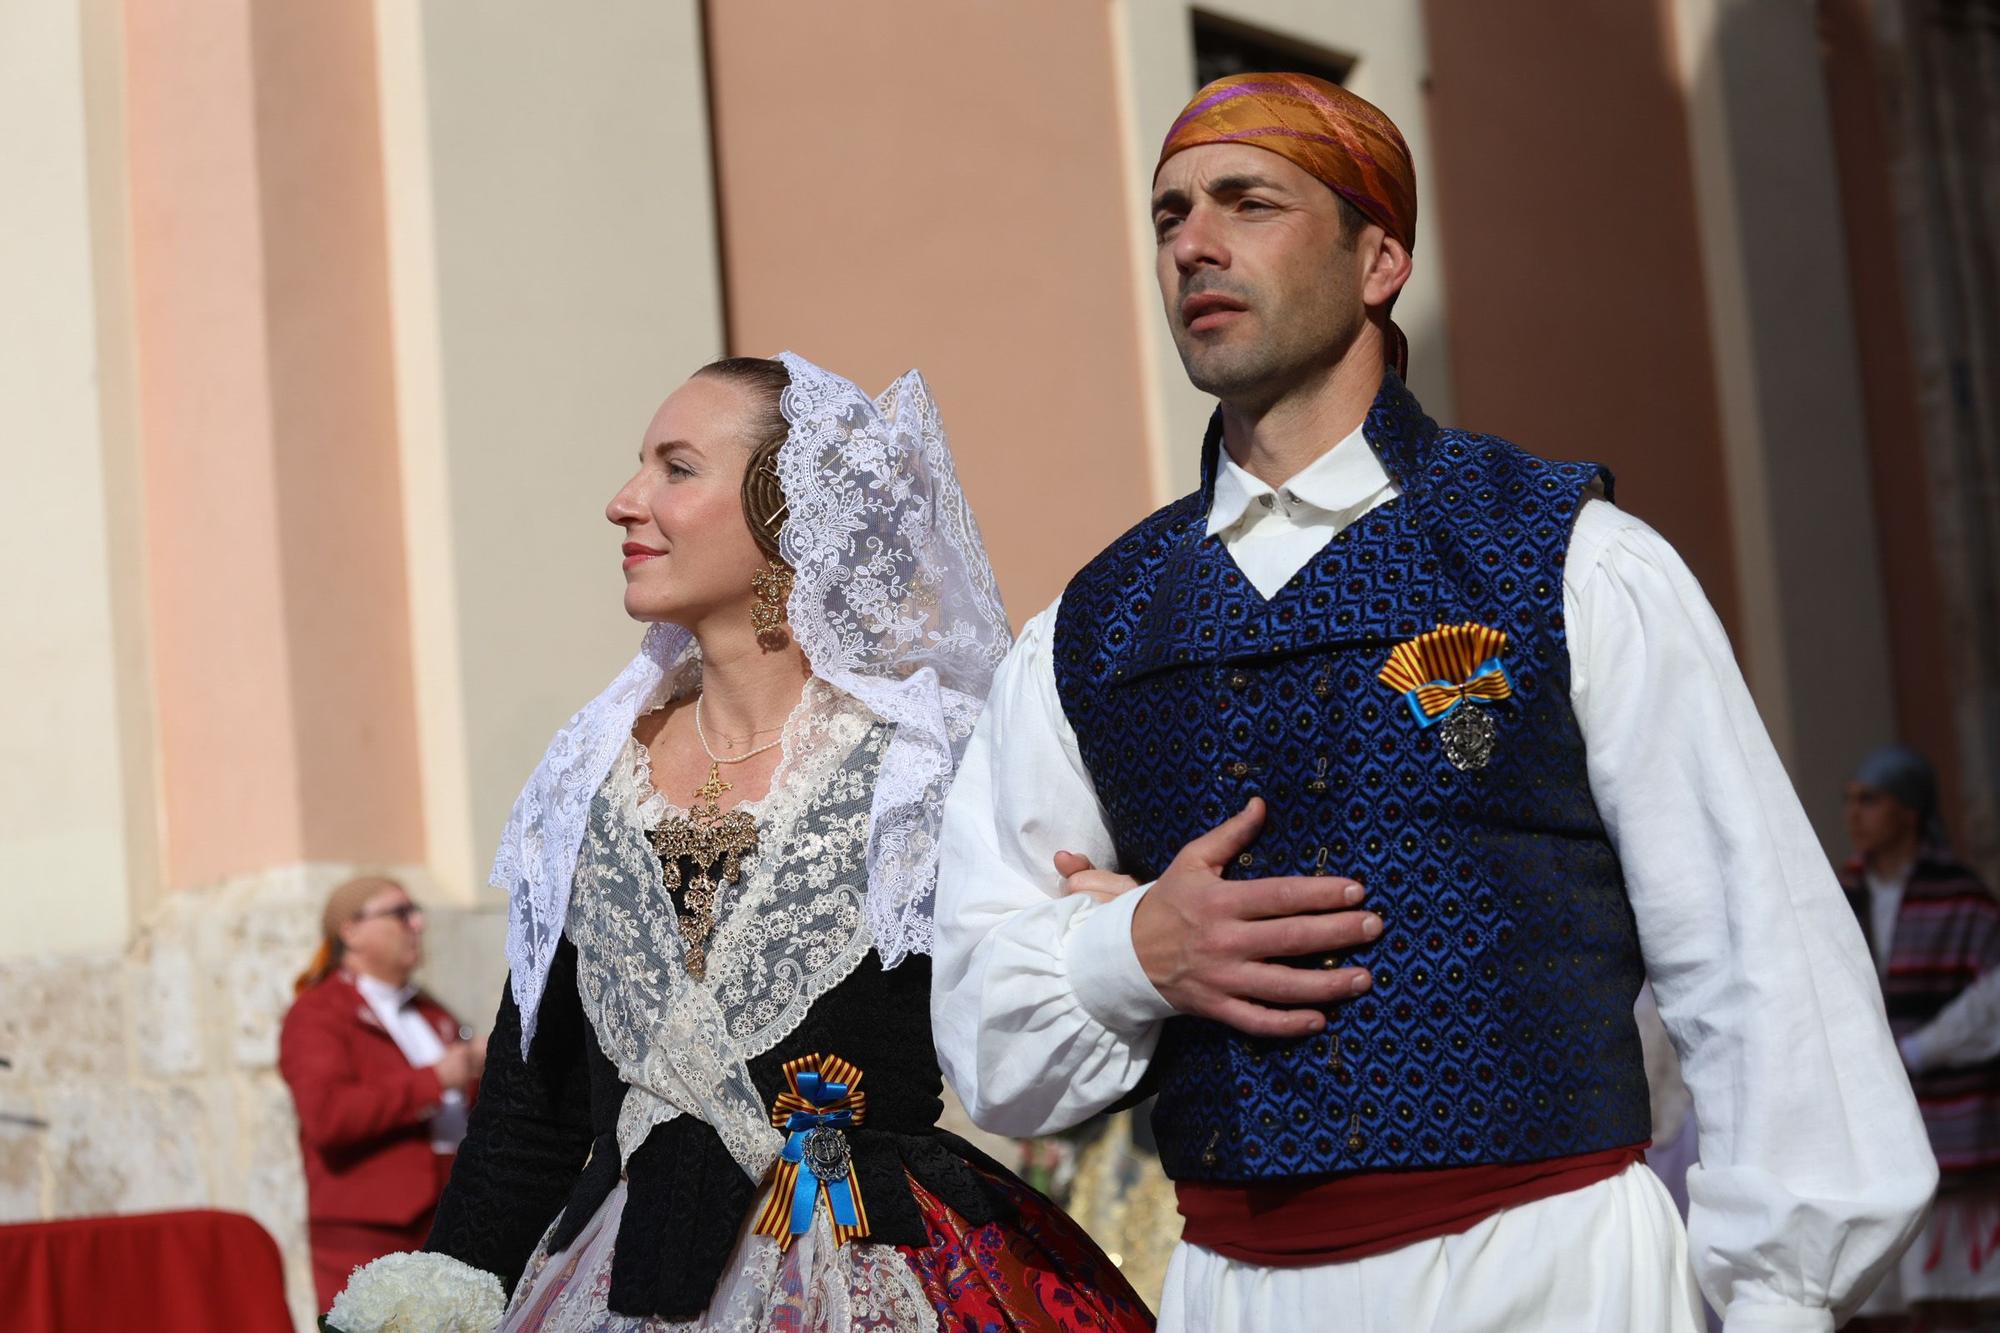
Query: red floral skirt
[[1034, 1273]]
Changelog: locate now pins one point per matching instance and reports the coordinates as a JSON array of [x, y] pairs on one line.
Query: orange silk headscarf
[[1317, 126]]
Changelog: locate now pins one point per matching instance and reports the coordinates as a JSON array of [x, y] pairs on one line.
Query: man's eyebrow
[[1175, 199], [1240, 182]]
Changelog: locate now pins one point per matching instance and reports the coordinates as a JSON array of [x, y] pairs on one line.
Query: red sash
[[1291, 1224]]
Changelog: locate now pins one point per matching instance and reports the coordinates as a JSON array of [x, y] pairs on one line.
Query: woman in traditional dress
[[711, 1094]]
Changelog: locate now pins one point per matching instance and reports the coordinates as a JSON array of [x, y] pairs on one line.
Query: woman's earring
[[773, 586]]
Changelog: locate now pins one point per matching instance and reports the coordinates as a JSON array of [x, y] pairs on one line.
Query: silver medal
[[826, 1153], [1468, 736]]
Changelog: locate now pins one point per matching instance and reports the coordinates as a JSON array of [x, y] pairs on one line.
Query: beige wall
[[266, 413], [334, 591], [71, 850], [556, 275], [338, 501], [1913, 601], [942, 186], [1389, 48], [1813, 629], [229, 758]]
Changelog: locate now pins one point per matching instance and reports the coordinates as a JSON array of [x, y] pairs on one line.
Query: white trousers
[[1608, 1258]]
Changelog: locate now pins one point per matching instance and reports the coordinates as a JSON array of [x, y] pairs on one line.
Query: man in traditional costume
[[1374, 661], [1934, 930]]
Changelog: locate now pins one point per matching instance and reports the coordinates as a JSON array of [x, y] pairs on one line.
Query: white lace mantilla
[[893, 601], [894, 605], [792, 930]]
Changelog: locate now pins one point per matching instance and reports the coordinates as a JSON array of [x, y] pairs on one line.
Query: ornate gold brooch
[[715, 844]]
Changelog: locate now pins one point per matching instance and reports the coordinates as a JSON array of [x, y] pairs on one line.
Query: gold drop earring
[[773, 586], [765, 508]]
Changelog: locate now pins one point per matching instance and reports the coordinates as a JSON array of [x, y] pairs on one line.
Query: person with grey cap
[[1934, 931]]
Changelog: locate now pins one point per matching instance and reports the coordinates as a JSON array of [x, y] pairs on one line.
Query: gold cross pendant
[[712, 790]]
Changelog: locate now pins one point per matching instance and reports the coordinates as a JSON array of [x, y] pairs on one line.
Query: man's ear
[[1389, 267]]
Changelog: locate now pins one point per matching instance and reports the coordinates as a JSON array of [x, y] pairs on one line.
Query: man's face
[[1259, 288], [1876, 821]]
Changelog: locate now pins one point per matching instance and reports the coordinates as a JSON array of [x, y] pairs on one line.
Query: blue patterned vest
[[1499, 1028]]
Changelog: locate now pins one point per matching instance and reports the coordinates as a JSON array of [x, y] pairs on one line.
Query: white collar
[[1339, 479], [1888, 884], [380, 993]]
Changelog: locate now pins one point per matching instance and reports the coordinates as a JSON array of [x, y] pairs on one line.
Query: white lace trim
[[536, 860], [893, 600]]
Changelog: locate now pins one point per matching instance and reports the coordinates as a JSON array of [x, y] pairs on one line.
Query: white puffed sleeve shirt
[[1814, 1165]]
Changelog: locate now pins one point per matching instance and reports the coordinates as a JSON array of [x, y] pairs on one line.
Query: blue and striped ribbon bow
[[822, 1095]]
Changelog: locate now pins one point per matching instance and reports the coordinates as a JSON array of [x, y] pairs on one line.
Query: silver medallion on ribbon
[[826, 1153], [1468, 735]]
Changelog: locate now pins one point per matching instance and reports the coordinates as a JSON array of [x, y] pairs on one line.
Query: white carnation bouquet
[[418, 1293]]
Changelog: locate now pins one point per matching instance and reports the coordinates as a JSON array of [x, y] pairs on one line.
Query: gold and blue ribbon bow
[[823, 1099], [1438, 671]]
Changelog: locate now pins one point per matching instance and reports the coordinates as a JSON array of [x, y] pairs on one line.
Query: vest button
[[1246, 859], [1239, 769], [1238, 680]]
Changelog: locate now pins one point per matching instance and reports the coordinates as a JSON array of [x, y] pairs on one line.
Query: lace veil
[[893, 602]]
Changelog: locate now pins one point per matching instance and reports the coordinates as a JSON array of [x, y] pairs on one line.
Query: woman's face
[[688, 553], [386, 939]]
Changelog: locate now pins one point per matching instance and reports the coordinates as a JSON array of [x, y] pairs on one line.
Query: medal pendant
[[826, 1153], [1468, 736]]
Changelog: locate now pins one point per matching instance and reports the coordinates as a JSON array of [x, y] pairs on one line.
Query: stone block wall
[[152, 1076]]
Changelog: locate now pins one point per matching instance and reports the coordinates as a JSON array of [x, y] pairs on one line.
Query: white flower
[[419, 1293]]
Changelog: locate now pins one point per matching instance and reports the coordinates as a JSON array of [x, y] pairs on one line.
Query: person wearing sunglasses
[[382, 1076]]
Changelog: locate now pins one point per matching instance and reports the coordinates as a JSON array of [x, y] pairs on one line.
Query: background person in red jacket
[[382, 1076]]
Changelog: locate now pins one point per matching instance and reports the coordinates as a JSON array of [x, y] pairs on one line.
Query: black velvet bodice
[[543, 1142]]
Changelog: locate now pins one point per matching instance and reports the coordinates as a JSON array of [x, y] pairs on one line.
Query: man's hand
[[1206, 942], [1080, 876], [462, 1064]]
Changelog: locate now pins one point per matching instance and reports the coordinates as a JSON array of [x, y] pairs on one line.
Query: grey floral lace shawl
[[794, 928]]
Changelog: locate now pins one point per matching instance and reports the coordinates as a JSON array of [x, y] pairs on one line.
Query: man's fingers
[[1103, 885], [1071, 863], [1219, 846], [1259, 1021], [1294, 895], [1274, 983], [1293, 936]]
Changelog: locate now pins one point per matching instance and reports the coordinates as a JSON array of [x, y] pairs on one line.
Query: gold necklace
[[714, 843]]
